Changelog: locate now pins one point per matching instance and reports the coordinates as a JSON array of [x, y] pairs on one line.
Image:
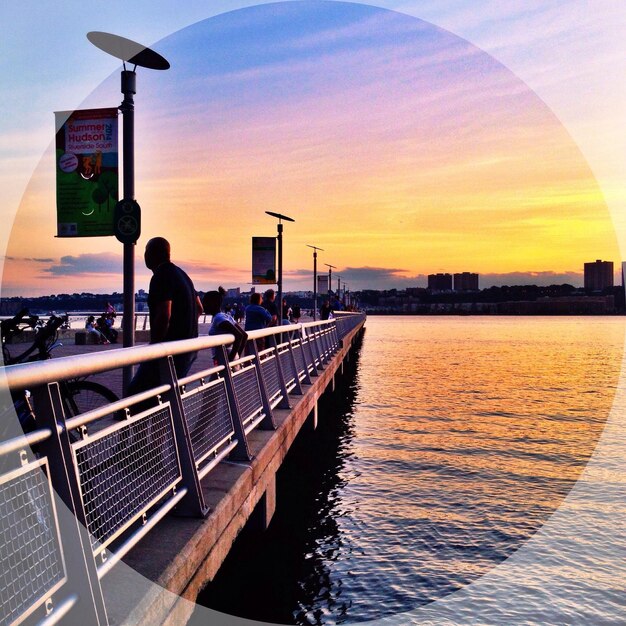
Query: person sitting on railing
[[223, 324], [90, 327]]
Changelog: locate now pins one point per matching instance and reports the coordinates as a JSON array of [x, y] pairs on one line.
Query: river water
[[451, 444]]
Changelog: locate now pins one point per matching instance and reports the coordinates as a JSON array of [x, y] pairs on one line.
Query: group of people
[[174, 308], [102, 329]]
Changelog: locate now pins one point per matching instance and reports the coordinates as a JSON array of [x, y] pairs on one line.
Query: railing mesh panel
[[208, 417], [309, 352], [124, 471], [317, 347], [248, 393], [298, 355], [287, 366], [30, 558], [270, 377], [324, 343]]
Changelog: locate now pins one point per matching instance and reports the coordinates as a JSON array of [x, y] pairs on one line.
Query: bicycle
[[78, 395]]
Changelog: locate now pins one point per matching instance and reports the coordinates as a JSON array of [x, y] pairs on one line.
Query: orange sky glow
[[397, 147]]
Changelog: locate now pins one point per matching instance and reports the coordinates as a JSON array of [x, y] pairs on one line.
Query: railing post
[[336, 338], [268, 421], [311, 353], [192, 505], [329, 344], [241, 451], [324, 356], [307, 376], [284, 403], [76, 544], [317, 353], [298, 388]]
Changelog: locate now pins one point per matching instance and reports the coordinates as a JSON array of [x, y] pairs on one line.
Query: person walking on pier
[[174, 310]]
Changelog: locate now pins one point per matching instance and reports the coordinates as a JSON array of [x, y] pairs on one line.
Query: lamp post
[[315, 249], [127, 212], [330, 278], [279, 280]]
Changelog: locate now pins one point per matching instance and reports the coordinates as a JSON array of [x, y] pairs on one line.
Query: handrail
[[23, 375], [23, 441], [31, 374]]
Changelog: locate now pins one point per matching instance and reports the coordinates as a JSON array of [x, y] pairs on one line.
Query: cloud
[[532, 278], [28, 259], [380, 278], [101, 263], [372, 273]]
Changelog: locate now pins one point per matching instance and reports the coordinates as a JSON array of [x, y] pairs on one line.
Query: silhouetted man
[[174, 309]]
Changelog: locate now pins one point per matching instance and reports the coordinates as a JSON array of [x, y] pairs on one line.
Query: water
[[452, 444]]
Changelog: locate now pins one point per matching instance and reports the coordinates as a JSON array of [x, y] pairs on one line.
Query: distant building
[[440, 282], [233, 293], [466, 281], [598, 275]]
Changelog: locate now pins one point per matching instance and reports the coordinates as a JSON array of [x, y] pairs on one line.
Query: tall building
[[598, 275], [466, 281], [440, 282]]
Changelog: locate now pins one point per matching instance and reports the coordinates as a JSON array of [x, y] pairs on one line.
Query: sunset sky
[[481, 137]]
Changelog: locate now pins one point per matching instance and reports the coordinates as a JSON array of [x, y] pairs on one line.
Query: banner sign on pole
[[263, 260], [322, 284], [86, 171]]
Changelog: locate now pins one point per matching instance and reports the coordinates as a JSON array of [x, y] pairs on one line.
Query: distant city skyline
[[356, 279]]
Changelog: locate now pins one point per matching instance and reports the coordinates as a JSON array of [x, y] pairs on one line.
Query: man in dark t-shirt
[[174, 310]]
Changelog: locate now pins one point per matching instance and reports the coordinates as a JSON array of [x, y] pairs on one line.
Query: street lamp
[[315, 249], [279, 281], [127, 211], [330, 277]]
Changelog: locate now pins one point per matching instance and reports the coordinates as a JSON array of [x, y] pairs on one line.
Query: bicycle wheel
[[85, 395]]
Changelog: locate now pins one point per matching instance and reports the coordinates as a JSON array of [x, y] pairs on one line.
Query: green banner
[[87, 172]]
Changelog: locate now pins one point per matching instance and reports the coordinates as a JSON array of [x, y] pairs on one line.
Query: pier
[[152, 490]]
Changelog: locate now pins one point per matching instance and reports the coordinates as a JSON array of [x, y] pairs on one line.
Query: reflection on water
[[450, 445]]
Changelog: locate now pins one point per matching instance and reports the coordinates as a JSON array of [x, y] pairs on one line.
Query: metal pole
[[330, 281], [280, 273], [314, 285], [279, 280], [129, 88], [315, 249]]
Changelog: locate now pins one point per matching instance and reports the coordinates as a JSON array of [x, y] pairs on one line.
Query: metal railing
[[120, 468]]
